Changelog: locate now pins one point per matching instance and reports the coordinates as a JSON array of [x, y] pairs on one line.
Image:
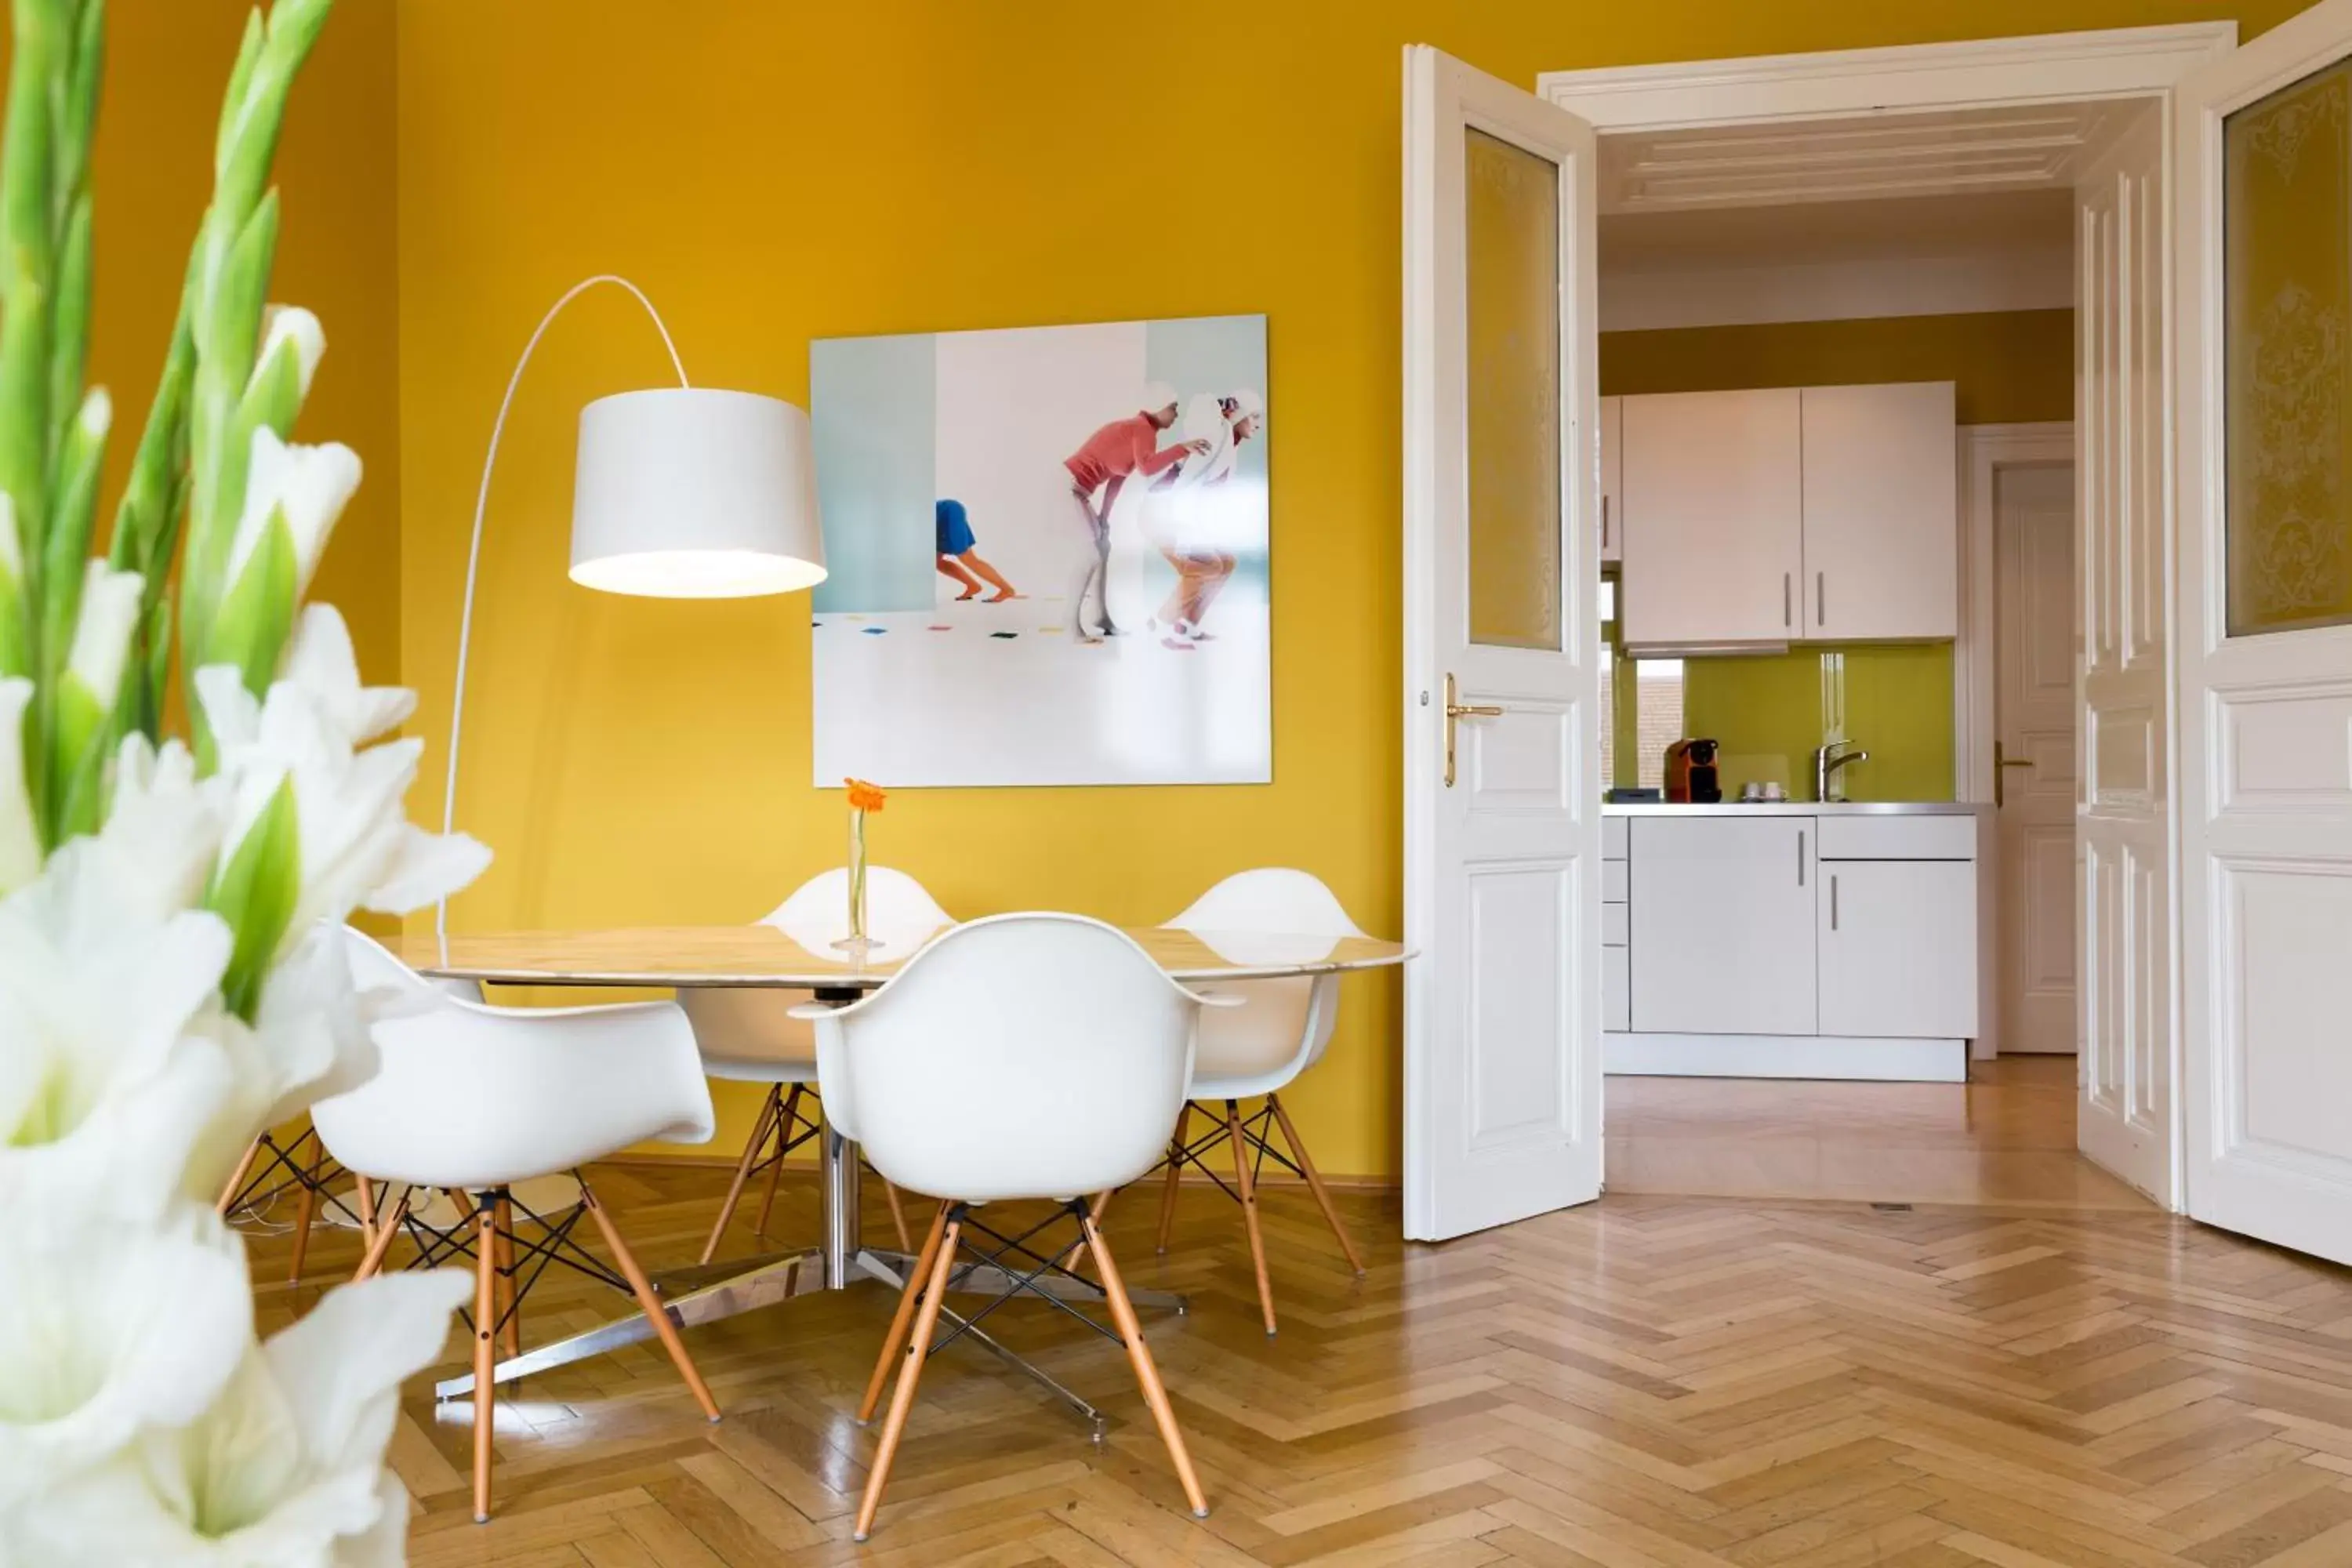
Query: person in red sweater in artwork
[[1120, 448]]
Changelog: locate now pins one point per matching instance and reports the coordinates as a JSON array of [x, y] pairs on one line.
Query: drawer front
[[1898, 838], [1614, 925], [1616, 991], [1613, 882], [1612, 838]]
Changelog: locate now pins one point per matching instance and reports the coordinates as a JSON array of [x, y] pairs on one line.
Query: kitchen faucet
[[1828, 760]]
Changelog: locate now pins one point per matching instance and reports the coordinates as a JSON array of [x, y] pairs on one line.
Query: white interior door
[[2123, 990], [2034, 784], [1502, 792], [2262, 154]]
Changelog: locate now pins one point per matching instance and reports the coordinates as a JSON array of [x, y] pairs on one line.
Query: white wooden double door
[[2215, 814]]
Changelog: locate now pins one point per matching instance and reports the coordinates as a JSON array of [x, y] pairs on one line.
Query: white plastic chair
[[1257, 1048], [748, 1035], [1032, 1056], [478, 1099]]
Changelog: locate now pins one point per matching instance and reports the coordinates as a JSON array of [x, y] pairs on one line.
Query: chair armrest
[[813, 1012], [1217, 998]]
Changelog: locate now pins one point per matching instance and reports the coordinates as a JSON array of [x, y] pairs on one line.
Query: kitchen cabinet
[[1881, 511], [1898, 948], [1722, 929], [1612, 470], [1712, 517]]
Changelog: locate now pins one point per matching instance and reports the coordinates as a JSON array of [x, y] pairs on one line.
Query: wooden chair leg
[[898, 1215], [1176, 1147], [305, 1209], [510, 1298], [650, 1303], [743, 1169], [783, 1136], [1315, 1183], [918, 1273], [486, 1354], [902, 1398], [365, 1190], [387, 1227], [237, 1177], [1122, 1316], [1247, 1187]]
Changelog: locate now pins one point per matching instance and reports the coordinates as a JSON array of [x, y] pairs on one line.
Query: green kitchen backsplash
[[1769, 711]]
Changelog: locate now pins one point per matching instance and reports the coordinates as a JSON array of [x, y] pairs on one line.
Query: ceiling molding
[[1929, 153], [2121, 62]]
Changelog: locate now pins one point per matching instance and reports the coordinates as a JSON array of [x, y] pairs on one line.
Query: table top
[[763, 955]]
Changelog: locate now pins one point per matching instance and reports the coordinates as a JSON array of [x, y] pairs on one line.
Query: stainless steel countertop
[[1794, 808]]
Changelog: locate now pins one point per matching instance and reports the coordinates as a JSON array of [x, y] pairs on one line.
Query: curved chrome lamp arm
[[474, 550]]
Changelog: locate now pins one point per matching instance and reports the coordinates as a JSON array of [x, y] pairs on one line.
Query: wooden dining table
[[814, 960]]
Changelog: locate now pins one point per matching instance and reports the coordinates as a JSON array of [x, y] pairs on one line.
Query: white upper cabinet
[[1612, 471], [1712, 485], [1882, 512]]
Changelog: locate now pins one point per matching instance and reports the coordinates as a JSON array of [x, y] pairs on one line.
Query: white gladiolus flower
[[310, 1041], [164, 831], [20, 841], [283, 324], [321, 661], [354, 847], [108, 1333], [101, 638], [285, 1467], [107, 1079], [308, 486]]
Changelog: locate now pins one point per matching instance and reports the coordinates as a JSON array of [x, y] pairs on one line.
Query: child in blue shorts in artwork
[[959, 561]]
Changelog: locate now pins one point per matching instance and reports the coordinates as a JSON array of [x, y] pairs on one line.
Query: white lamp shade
[[691, 493]]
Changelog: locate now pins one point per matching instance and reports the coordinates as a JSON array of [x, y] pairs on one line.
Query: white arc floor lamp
[[680, 492]]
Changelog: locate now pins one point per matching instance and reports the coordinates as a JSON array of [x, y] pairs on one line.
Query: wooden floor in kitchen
[[2065, 1376]]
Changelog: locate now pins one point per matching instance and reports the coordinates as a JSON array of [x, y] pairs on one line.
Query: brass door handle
[[2001, 766], [1454, 712]]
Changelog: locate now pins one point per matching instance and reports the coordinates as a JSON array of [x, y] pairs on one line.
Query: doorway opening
[[1838, 252]]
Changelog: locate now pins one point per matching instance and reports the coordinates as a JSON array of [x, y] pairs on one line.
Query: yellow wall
[[776, 172], [167, 67], [1770, 712]]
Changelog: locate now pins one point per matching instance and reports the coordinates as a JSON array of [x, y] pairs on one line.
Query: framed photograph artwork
[[1047, 549]]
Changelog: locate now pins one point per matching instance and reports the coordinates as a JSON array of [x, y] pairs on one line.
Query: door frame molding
[[1985, 450], [1980, 73], [2116, 63]]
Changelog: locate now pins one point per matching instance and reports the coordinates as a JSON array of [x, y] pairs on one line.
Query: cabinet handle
[[1834, 912], [1821, 598], [1801, 857], [1604, 521], [1787, 619]]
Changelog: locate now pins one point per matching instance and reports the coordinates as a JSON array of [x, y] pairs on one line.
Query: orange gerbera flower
[[864, 796]]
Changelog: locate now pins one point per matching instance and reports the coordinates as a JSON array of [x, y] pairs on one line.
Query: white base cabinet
[[1898, 948], [1723, 925], [1781, 944]]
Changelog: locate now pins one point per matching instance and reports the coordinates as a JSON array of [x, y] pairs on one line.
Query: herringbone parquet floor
[[1647, 1383]]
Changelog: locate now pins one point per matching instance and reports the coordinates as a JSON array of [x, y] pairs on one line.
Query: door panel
[[1502, 645], [1723, 913], [2263, 258], [2034, 695], [2123, 1118]]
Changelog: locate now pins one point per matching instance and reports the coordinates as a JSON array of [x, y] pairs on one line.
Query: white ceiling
[[1892, 228], [1975, 151]]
